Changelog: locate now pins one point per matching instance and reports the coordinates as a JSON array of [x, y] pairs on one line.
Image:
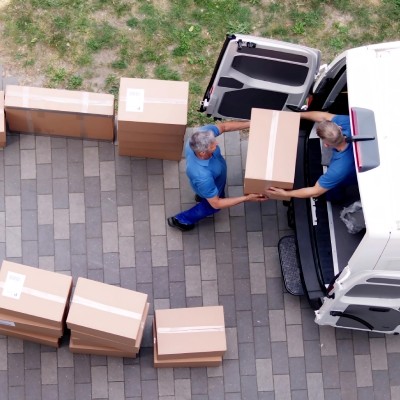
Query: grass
[[75, 44]]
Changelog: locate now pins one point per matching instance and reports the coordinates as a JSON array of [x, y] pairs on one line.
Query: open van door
[[253, 72]]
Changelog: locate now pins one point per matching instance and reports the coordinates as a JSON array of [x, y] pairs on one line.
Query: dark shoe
[[197, 198], [174, 223]]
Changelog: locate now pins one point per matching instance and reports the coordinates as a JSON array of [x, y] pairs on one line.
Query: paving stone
[[31, 355], [83, 391], [115, 369], [310, 328], [259, 307], [222, 222], [60, 168], [12, 180], [28, 164], [91, 161], [92, 191], [13, 242], [177, 292], [330, 371], [247, 361], [378, 353], [297, 373], [49, 368], [161, 283], [292, 309], [300, 395], [381, 384], [225, 279], [16, 393], [77, 208], [223, 248], [242, 294], [159, 251], [128, 278], [13, 210], [12, 155], [29, 227], [60, 193], [78, 239], [282, 387], [295, 341], [3, 355], [65, 358], [108, 207], [33, 387], [93, 223], [66, 384], [16, 372], [348, 388], [107, 176], [258, 281], [231, 375], [206, 234], [270, 230], [280, 359], [363, 370], [50, 392], [238, 232], [99, 382], [314, 386], [142, 236], [277, 325], [215, 388], [262, 342], [394, 368], [125, 221], [275, 293], [232, 352], [193, 280], [43, 149], [132, 380], [199, 381], [244, 326], [110, 237], [61, 225], [209, 290], [126, 252], [111, 268], [365, 393], [253, 216]]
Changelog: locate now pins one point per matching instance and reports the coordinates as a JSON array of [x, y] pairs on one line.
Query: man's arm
[[230, 126], [219, 203], [317, 116], [304, 193]]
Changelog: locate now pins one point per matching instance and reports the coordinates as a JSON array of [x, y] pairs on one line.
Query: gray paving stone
[[43, 150], [193, 280], [159, 251], [297, 373], [109, 207], [262, 342], [16, 372], [128, 278], [106, 151], [295, 341], [83, 391], [215, 388], [238, 232], [156, 189], [94, 249], [33, 387], [60, 193], [107, 176], [177, 292], [330, 370], [61, 224], [75, 178], [142, 236], [258, 281], [280, 359], [93, 223], [31, 355], [282, 387], [292, 309], [92, 191], [66, 384], [240, 261], [242, 293], [62, 256], [348, 386], [378, 353], [99, 382], [65, 358], [161, 283], [144, 267], [13, 242], [111, 268], [275, 293], [277, 325], [381, 384], [28, 194], [171, 174], [253, 216], [3, 355], [12, 180], [223, 248], [232, 376], [77, 208], [225, 279], [110, 237], [28, 164], [209, 290], [363, 370], [124, 190], [60, 168], [228, 302], [310, 328], [30, 253], [394, 368], [199, 381], [29, 227], [91, 163], [247, 360], [16, 393], [345, 355], [50, 392], [270, 230], [207, 234], [132, 380], [78, 238], [12, 155]]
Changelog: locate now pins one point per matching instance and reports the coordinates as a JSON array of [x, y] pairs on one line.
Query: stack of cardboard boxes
[[33, 303], [152, 118], [272, 150], [189, 337], [59, 112], [106, 320]]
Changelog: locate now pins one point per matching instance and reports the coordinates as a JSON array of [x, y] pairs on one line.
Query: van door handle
[[353, 317]]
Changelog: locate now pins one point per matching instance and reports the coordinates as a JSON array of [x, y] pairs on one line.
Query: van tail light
[[365, 139]]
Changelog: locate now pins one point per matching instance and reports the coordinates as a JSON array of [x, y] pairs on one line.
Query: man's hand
[[256, 197], [277, 191]]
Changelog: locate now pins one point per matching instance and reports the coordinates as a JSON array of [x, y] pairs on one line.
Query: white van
[[351, 280]]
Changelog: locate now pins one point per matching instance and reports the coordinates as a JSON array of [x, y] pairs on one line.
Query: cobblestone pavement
[[76, 207]]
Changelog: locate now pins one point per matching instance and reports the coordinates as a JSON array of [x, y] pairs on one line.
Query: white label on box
[[13, 285], [134, 100], [5, 322]]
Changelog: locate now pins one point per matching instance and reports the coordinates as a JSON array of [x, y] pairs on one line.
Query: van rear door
[[261, 73]]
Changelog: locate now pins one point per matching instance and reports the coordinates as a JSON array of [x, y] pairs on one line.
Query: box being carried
[[152, 118], [33, 303], [58, 112], [189, 337], [106, 319], [272, 150]]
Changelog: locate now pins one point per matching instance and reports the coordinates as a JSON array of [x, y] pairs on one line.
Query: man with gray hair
[[332, 130], [206, 170]]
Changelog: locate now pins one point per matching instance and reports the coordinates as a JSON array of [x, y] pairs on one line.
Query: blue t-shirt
[[341, 170], [207, 177]]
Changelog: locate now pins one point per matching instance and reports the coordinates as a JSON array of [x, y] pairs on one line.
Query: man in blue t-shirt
[[206, 170], [333, 130]]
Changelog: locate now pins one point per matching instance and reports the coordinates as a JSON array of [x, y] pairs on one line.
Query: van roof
[[373, 78]]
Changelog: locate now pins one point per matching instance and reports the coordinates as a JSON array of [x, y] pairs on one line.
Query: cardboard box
[[172, 362], [25, 325], [98, 340], [34, 294], [150, 109], [31, 337], [107, 311], [190, 332], [272, 150], [75, 347], [58, 112], [2, 121]]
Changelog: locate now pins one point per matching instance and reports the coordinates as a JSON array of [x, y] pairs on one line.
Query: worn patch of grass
[[73, 43]]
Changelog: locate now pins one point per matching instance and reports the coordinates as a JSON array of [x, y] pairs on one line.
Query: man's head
[[330, 133], [203, 143]]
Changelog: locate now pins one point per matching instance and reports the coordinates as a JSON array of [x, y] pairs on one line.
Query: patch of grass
[[176, 40]]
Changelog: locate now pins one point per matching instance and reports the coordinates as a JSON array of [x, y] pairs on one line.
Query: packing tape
[[85, 102], [192, 329], [104, 307], [40, 294], [271, 145], [28, 97], [164, 100]]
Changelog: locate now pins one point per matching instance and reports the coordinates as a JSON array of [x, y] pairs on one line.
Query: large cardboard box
[[60, 112], [2, 121], [190, 332], [30, 336], [212, 361], [155, 112], [76, 347], [107, 311], [99, 340], [272, 149], [35, 295]]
